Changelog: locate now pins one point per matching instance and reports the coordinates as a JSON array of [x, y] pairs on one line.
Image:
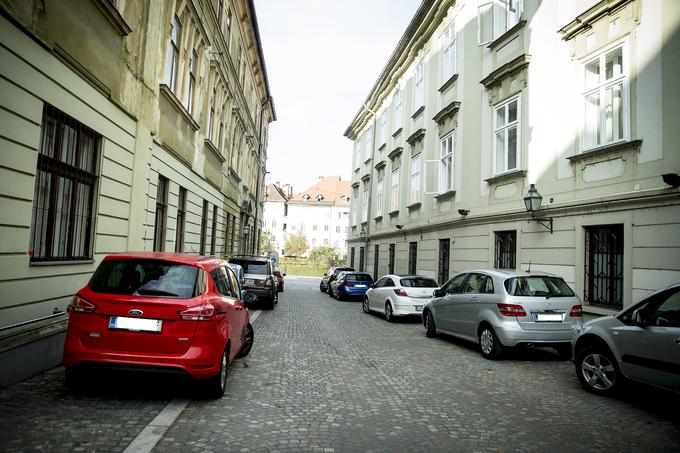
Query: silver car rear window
[[538, 286]]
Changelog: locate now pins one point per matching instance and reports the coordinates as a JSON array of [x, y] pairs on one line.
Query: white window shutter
[[485, 23], [431, 167]]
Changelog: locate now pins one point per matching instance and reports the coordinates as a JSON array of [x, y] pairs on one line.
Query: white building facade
[[484, 103]]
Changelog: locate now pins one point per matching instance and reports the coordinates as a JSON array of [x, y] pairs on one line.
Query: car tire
[[563, 351], [430, 328], [598, 371], [281, 288], [247, 341], [321, 288], [489, 345], [365, 306], [339, 295], [216, 385], [389, 314]]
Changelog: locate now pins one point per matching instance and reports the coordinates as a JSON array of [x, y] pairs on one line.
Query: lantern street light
[[532, 201]]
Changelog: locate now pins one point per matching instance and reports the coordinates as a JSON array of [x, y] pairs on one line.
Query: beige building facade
[[126, 125], [483, 104]]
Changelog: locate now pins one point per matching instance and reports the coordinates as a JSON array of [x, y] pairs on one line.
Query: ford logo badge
[[135, 312]]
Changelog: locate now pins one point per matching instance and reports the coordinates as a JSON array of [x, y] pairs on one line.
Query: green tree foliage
[[325, 255], [266, 242], [296, 244]]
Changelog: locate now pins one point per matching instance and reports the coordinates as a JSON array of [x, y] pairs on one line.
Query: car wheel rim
[[365, 305], [388, 312], [248, 342], [223, 371], [598, 371], [486, 341]]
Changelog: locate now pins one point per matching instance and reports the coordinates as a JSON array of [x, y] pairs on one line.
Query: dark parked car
[[259, 278], [159, 312], [640, 343], [329, 276], [349, 284]]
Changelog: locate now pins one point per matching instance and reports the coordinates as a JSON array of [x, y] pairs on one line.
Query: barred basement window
[[506, 249], [390, 260], [213, 239], [204, 227], [161, 210], [181, 216], [412, 257], [62, 227]]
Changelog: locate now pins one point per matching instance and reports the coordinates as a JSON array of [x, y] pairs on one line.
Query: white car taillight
[[202, 312], [400, 292], [80, 305]]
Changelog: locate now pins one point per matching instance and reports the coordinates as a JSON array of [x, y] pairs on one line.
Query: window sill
[[414, 206], [606, 150], [508, 176], [60, 262], [167, 92], [383, 146], [396, 152], [397, 132], [393, 213], [446, 85], [114, 17], [445, 195], [211, 146], [418, 112], [502, 38], [234, 175]]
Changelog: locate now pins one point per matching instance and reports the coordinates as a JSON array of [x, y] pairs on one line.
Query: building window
[[213, 238], [507, 136], [496, 17], [362, 256], [172, 60], [506, 249], [357, 154], [412, 257], [325, 241], [346, 229], [325, 227], [605, 98], [161, 214], [228, 26], [337, 229], [313, 227], [351, 257], [376, 259], [204, 227], [390, 259], [364, 204], [446, 164], [398, 109], [415, 179], [449, 52], [273, 223], [604, 266], [181, 216], [383, 128], [380, 196], [368, 144], [394, 195], [211, 116], [444, 255], [419, 87], [62, 226], [192, 81]]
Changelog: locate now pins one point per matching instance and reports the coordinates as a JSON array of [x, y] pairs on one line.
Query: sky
[[322, 58]]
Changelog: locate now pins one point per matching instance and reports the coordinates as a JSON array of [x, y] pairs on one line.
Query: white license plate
[[361, 286], [135, 324], [418, 307], [249, 281], [547, 317]]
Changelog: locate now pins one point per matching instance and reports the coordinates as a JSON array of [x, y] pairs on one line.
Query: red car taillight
[[576, 311], [511, 310], [400, 292], [347, 284], [269, 282], [203, 312], [80, 305]]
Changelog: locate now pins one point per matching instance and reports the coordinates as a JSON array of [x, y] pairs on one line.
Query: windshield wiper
[[156, 292]]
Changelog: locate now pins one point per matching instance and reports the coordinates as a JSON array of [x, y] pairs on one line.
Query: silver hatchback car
[[641, 343], [499, 309]]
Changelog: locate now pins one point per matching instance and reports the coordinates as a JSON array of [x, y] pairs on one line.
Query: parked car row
[[499, 309]]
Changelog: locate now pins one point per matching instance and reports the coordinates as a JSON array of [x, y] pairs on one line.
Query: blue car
[[350, 285]]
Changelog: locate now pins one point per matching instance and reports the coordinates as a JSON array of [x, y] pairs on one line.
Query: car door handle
[[677, 341], [473, 299]]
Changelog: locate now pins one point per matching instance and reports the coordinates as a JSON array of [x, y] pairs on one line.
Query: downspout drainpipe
[[370, 187], [261, 170]]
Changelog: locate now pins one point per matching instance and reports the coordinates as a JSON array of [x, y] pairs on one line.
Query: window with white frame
[[211, 114], [419, 87], [172, 60], [354, 215], [394, 195], [357, 151], [192, 81], [383, 128], [368, 144], [364, 204], [496, 17], [415, 179], [380, 195], [446, 164], [605, 98], [398, 109], [449, 52], [506, 136]]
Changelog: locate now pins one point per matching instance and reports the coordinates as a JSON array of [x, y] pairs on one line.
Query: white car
[[397, 295]]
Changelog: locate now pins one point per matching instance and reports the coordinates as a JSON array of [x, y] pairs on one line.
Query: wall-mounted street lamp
[[463, 212], [363, 235], [532, 201]]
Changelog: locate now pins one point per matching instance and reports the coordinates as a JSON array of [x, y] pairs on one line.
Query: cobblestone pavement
[[323, 376]]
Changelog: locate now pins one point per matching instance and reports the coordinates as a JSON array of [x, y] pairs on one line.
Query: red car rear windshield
[[145, 278], [538, 286]]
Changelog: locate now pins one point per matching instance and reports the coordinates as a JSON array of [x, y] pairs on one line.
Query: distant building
[[484, 104], [320, 212]]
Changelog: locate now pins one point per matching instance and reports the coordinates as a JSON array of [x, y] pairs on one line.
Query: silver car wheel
[[365, 305], [598, 371], [486, 341], [223, 371]]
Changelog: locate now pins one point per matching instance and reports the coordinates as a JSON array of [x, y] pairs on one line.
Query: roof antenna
[[529, 268]]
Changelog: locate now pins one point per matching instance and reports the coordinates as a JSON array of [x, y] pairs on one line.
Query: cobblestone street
[[324, 376]]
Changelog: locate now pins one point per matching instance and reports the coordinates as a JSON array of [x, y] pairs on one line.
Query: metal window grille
[[412, 257], [362, 256], [376, 257], [506, 249], [181, 216], [390, 262], [604, 266], [351, 257], [204, 227], [213, 239], [444, 254], [161, 210], [62, 226]]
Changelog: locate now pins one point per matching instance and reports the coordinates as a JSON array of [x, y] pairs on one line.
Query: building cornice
[[446, 112], [507, 69], [584, 21]]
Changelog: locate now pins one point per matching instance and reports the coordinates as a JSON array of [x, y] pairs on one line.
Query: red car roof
[[205, 262]]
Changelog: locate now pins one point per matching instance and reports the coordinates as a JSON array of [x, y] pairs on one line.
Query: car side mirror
[[639, 319], [248, 297], [284, 274], [438, 293], [324, 275]]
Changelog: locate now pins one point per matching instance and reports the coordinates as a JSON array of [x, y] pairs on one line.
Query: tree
[[296, 244], [266, 243], [326, 255]]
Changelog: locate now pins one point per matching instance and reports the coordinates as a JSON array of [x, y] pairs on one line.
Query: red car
[[170, 311]]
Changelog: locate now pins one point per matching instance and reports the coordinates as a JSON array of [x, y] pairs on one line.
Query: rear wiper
[[156, 292]]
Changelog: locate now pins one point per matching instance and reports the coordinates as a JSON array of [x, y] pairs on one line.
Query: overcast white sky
[[322, 57]]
